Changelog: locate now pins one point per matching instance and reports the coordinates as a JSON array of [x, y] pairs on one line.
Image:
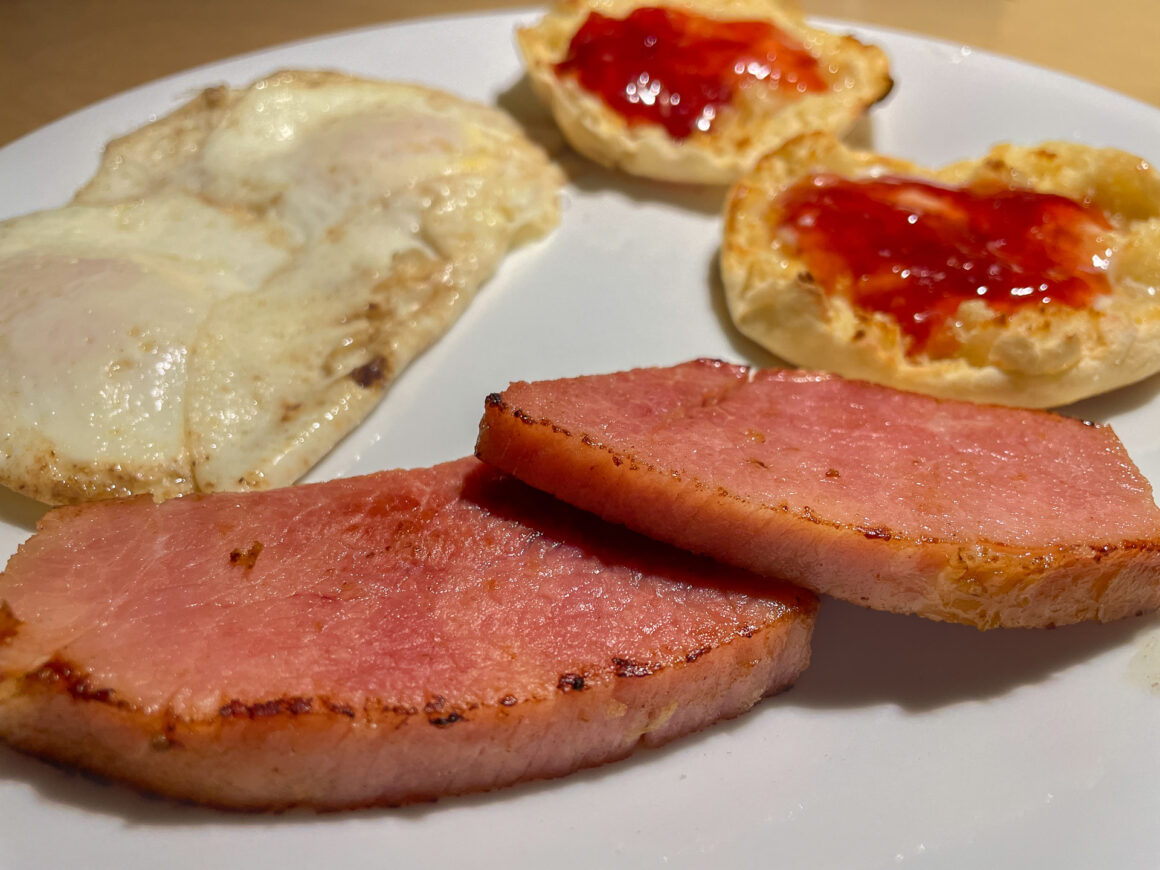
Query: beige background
[[60, 55]]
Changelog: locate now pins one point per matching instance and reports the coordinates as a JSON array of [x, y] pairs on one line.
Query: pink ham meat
[[975, 514], [378, 640]]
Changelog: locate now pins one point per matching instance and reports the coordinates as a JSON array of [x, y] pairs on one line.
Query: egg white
[[240, 281]]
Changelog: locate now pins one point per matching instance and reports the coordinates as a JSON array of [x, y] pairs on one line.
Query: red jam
[[677, 69], [916, 251]]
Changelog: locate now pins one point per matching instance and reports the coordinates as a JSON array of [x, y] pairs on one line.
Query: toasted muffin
[[760, 115], [1061, 349]]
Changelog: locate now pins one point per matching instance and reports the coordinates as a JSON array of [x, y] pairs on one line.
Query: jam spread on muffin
[[916, 251], [678, 69]]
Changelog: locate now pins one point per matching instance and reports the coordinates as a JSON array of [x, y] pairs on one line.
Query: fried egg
[[236, 286]]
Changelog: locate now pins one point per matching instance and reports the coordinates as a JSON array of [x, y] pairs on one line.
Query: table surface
[[57, 56]]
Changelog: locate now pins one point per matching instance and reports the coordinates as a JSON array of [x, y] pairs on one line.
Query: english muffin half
[[695, 90], [1027, 277]]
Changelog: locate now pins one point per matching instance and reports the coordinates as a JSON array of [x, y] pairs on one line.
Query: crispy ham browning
[[975, 514], [378, 640]]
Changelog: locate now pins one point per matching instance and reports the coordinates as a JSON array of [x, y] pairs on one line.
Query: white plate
[[907, 742]]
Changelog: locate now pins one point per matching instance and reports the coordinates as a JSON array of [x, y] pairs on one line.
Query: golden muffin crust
[[757, 120], [1035, 357]]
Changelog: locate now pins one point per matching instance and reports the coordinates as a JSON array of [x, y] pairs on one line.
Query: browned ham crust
[[378, 640], [967, 513]]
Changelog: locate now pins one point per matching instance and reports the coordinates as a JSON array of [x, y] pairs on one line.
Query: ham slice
[[377, 640], [975, 514]]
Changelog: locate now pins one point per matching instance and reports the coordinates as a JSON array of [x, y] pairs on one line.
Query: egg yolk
[[916, 251], [678, 69]]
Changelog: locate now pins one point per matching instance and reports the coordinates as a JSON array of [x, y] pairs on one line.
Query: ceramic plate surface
[[907, 743]]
